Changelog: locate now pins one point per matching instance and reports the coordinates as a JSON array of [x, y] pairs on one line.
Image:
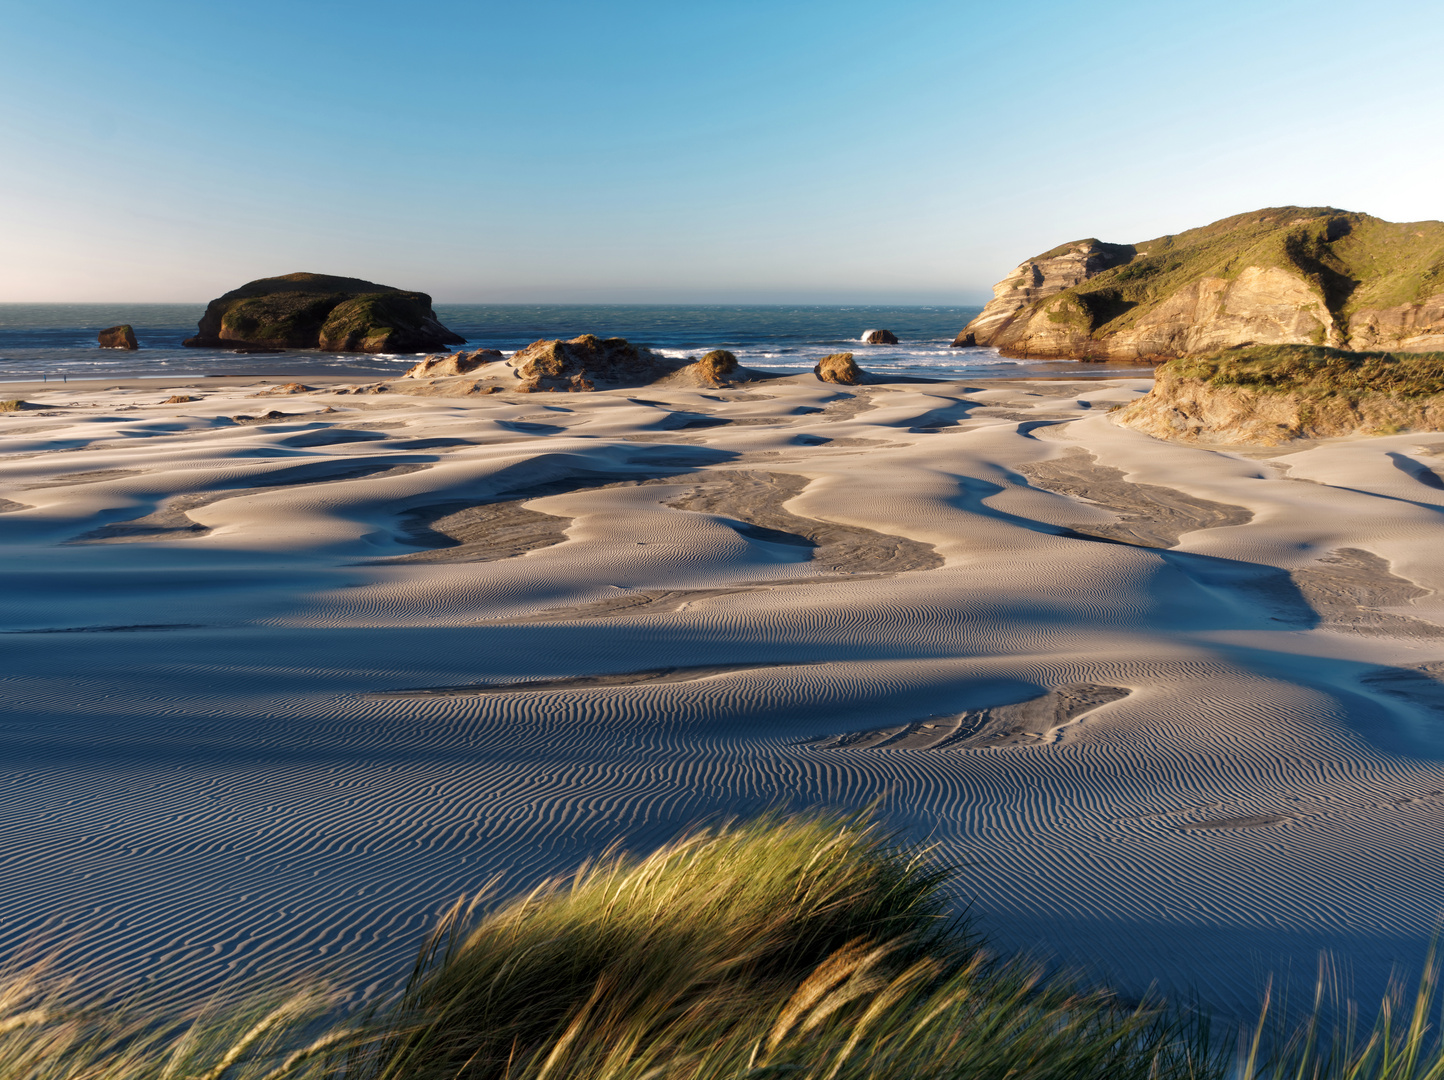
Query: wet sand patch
[[1030, 722], [1151, 515], [1349, 585], [755, 498]]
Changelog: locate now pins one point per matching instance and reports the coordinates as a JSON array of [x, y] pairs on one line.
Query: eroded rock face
[[1282, 276], [839, 368], [879, 337], [584, 362], [1263, 306], [1037, 279], [118, 337], [461, 363], [1406, 327], [319, 311]]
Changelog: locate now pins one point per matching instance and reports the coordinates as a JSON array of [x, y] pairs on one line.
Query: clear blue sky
[[739, 151]]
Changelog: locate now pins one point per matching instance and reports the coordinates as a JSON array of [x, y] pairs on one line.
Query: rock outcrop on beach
[[118, 337], [1268, 395], [879, 337], [1281, 276], [318, 311], [582, 364], [839, 368], [585, 362], [461, 363]]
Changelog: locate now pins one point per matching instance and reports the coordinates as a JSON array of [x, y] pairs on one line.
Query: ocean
[[53, 341]]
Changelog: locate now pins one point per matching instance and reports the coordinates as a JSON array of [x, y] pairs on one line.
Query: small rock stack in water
[[118, 337]]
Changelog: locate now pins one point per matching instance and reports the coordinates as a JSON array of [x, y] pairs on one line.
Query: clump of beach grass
[[692, 937], [839, 368], [811, 947], [807, 946], [12, 405], [1316, 371], [49, 1032], [717, 365]]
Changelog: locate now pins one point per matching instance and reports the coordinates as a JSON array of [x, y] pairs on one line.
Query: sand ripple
[[1174, 713]]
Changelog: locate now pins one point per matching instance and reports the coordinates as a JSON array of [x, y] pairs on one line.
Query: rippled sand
[[277, 691]]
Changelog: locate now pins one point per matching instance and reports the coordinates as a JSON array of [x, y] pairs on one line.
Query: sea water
[[58, 341]]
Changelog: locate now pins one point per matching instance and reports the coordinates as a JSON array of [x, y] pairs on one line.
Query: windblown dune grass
[[808, 947], [1316, 371], [1272, 393]]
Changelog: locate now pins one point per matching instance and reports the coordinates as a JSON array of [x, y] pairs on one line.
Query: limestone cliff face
[[1267, 306], [320, 311], [1282, 276], [1037, 279], [1408, 327]]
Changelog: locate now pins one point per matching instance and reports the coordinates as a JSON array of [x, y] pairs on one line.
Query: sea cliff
[[1281, 276]]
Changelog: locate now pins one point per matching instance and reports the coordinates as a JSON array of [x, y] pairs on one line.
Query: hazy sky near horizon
[[640, 151]]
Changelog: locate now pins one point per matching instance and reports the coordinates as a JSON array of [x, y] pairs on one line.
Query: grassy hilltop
[[1285, 275]]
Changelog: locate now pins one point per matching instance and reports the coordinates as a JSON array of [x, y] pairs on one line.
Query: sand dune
[[278, 689]]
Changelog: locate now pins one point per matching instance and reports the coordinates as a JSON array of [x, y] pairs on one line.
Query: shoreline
[[188, 382]]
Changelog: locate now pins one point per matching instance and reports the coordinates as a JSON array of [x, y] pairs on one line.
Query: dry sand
[[277, 690]]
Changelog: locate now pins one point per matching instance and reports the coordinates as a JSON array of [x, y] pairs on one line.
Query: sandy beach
[[278, 689]]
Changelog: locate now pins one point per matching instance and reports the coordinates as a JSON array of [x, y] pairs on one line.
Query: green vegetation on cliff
[[1355, 261], [1315, 371], [1270, 394]]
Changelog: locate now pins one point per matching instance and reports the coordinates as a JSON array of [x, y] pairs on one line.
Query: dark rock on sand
[[880, 337], [118, 337], [839, 368], [319, 311]]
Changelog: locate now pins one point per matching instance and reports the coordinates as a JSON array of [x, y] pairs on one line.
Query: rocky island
[[1282, 276], [119, 337], [320, 311]]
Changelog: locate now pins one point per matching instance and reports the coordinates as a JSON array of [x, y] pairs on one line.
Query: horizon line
[[539, 303]]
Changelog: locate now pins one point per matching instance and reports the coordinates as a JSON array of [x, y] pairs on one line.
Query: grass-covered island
[[322, 311], [1272, 393], [810, 947]]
